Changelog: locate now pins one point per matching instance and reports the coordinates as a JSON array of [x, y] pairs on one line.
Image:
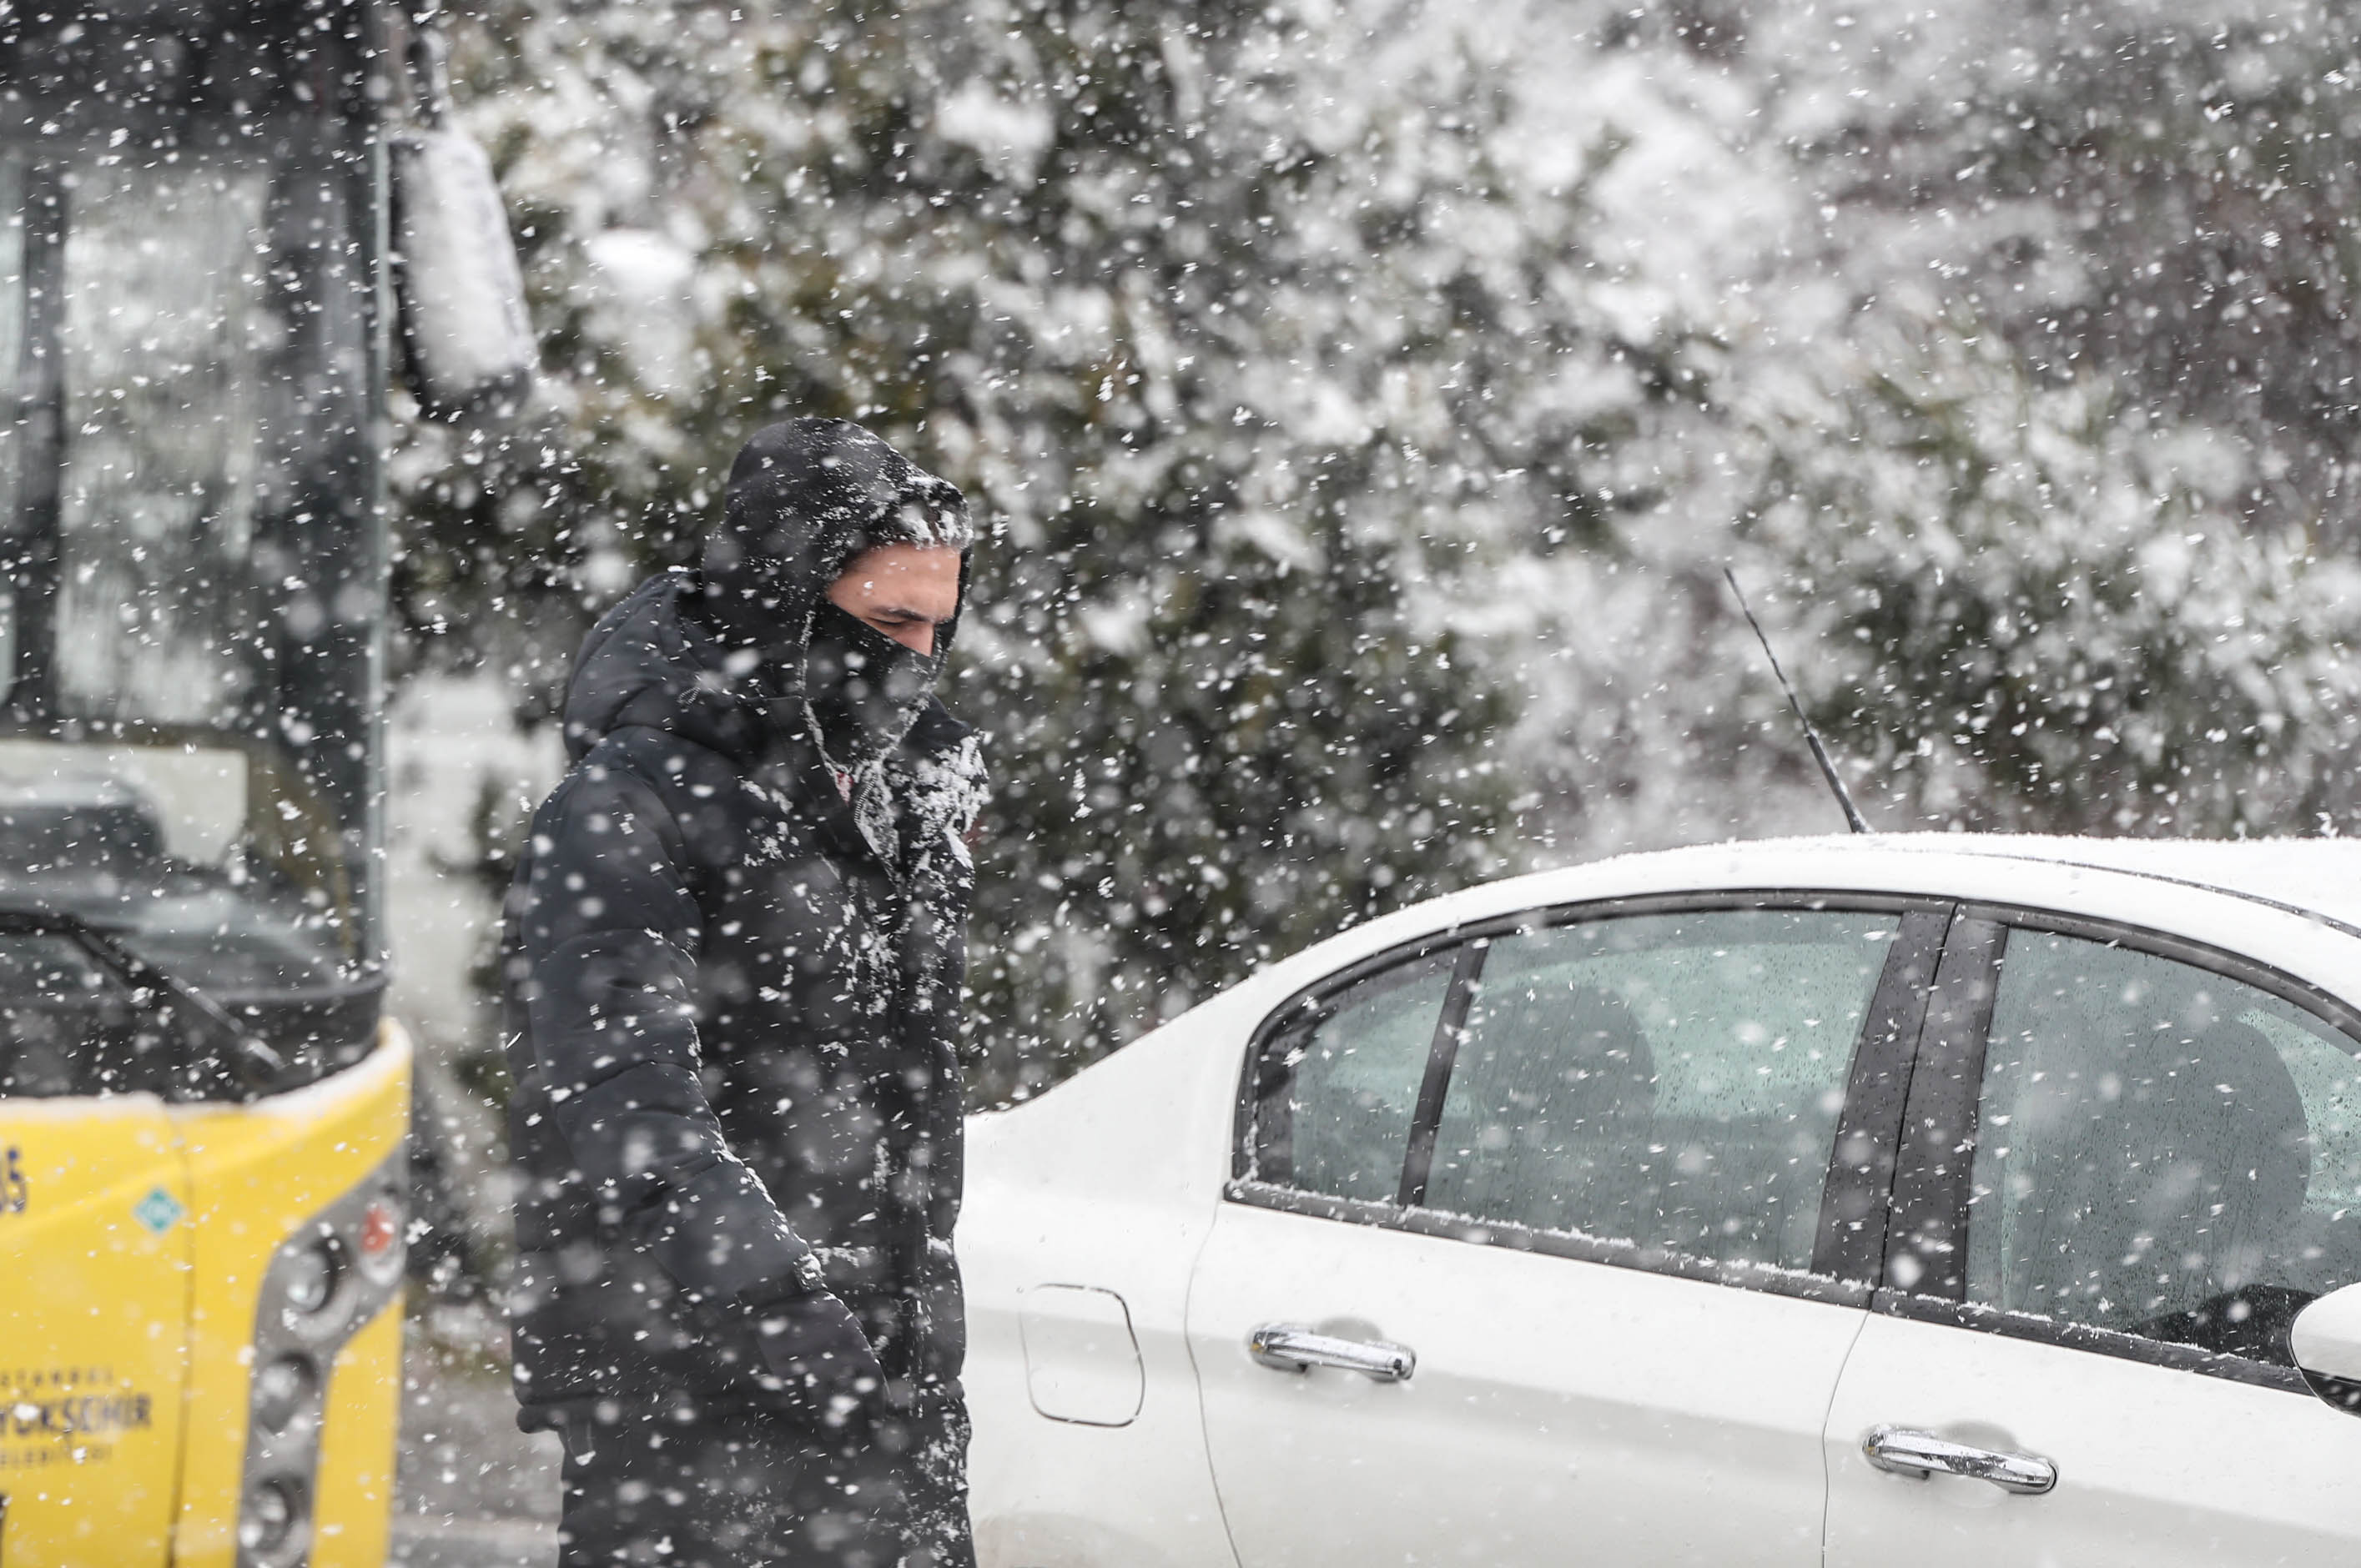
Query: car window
[[2161, 1150], [1341, 1124], [1673, 1080]]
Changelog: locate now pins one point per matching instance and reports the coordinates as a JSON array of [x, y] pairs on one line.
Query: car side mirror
[[2325, 1339]]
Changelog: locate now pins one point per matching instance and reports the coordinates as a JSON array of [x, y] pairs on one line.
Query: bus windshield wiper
[[255, 1063]]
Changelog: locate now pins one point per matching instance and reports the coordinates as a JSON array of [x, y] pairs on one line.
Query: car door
[[1542, 1246], [94, 1265], [2130, 1162]]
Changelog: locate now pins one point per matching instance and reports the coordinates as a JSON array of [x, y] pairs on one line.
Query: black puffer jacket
[[731, 1000]]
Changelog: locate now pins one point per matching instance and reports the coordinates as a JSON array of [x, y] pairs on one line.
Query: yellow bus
[[202, 1110]]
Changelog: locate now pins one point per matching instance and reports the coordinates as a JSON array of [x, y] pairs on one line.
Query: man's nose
[[918, 637]]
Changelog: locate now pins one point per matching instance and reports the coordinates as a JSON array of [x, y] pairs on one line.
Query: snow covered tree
[[1365, 396], [2032, 606], [1264, 335], [2061, 476], [2154, 189]]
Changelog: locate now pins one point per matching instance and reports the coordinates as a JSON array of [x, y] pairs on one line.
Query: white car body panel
[[1115, 1181], [1103, 1184], [1572, 1422], [2157, 1468]]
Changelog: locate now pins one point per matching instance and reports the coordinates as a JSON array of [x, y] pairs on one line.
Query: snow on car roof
[[2320, 877], [2316, 880]]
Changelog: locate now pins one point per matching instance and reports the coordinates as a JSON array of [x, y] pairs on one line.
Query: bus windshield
[[191, 560]]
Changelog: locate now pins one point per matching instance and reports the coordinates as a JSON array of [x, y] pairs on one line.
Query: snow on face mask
[[864, 690]]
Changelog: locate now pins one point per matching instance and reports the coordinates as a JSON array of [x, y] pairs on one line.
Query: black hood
[[704, 654], [806, 497]]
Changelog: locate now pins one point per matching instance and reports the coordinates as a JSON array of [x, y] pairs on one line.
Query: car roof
[[2289, 906], [2292, 904], [2318, 877], [2317, 880]]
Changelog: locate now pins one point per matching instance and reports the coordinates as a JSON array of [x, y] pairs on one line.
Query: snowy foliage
[[1363, 397], [2067, 485]]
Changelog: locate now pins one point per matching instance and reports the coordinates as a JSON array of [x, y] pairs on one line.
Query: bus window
[[190, 559], [68, 1026]]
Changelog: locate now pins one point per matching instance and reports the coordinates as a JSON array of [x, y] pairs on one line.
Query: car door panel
[[1557, 1406], [1605, 1250], [2127, 1162], [2157, 1465]]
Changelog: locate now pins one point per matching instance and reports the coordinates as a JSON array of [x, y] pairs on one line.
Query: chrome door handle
[[1922, 1454], [1292, 1349]]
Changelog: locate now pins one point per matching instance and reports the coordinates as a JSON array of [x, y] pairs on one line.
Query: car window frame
[[1849, 1238], [1267, 1069], [1933, 1180]]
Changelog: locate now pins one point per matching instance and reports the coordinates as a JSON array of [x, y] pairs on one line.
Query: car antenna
[[1811, 736]]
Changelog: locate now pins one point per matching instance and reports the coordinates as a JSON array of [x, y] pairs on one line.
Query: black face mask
[[863, 688]]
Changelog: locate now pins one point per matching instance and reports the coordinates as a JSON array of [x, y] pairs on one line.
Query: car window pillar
[[1850, 1244], [1925, 1242], [1450, 1030]]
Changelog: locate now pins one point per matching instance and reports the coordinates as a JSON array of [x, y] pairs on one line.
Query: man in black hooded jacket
[[734, 954]]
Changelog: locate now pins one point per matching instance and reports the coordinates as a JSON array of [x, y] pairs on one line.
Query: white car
[[1842, 1202]]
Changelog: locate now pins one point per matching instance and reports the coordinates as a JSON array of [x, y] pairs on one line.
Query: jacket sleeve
[[611, 936]]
